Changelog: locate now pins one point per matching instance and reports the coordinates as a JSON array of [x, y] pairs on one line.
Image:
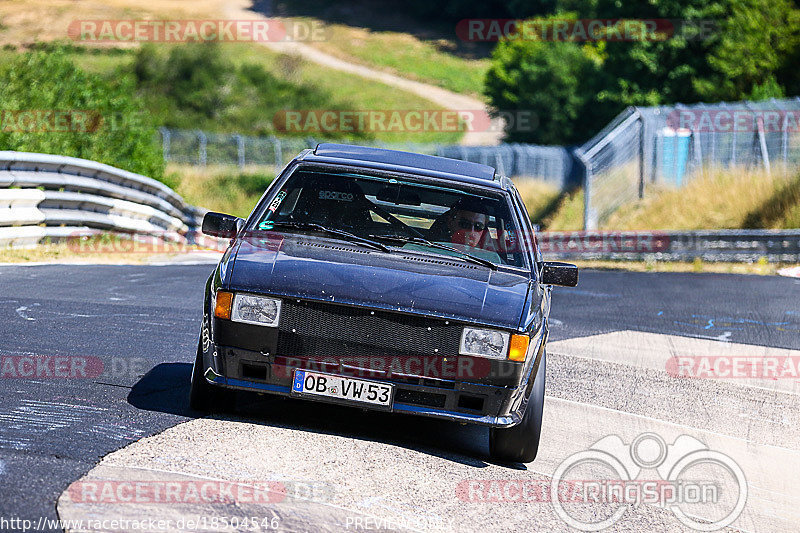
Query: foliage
[[716, 50], [195, 86], [76, 114], [557, 81]]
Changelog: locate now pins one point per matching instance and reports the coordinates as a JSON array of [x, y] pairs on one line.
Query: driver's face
[[466, 227]]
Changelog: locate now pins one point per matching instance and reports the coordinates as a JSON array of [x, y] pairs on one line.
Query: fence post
[[698, 149], [713, 134], [785, 142], [762, 141], [589, 224], [641, 153], [240, 149], [498, 161], [202, 154], [276, 145], [165, 141]]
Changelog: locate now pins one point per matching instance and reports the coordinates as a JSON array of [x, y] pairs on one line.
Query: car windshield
[[396, 212]]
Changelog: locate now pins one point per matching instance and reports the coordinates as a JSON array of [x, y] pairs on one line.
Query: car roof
[[395, 160]]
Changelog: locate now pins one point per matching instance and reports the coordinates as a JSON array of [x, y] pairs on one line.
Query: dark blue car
[[384, 280]]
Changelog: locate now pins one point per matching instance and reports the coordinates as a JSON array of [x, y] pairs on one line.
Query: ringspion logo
[[594, 489]]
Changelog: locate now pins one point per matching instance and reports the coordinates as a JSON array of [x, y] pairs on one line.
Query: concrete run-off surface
[[613, 384]]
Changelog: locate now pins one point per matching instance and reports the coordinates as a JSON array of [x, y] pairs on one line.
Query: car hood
[[308, 267]]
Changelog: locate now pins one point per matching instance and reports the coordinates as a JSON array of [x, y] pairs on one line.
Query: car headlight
[[484, 343], [259, 310]]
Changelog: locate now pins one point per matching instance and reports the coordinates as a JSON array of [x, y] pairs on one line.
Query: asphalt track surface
[[142, 323]]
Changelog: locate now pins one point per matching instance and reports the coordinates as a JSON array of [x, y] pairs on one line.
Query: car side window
[[529, 236]]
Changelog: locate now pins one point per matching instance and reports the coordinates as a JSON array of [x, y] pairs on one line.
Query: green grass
[[223, 189], [341, 86], [317, 86], [388, 36], [407, 56]]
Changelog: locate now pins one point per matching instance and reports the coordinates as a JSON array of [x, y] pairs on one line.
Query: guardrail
[[777, 246], [45, 196]]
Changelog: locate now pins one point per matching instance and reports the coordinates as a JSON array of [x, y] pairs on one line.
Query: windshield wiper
[[346, 235], [426, 242]]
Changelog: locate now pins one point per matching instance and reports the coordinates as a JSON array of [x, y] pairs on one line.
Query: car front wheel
[[520, 443], [205, 397]]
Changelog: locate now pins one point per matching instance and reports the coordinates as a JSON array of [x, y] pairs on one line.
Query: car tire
[[519, 444], [205, 397]]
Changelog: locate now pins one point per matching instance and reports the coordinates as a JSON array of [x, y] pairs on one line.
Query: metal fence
[[669, 145], [642, 147], [553, 164]]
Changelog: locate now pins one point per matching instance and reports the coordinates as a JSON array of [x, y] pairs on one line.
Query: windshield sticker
[[277, 202], [336, 195]]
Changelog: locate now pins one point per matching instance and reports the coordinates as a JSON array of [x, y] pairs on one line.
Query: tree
[[558, 81], [714, 50]]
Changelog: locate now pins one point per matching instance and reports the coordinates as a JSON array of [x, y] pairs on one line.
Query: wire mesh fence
[[642, 147], [552, 164], [670, 145]]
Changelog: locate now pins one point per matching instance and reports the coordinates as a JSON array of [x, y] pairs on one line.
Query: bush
[[557, 81], [196, 87], [115, 132]]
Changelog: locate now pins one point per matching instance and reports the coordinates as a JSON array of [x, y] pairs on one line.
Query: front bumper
[[460, 401]]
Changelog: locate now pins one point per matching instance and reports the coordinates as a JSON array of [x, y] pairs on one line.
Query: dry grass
[[760, 268], [219, 188], [567, 215], [66, 253], [717, 199], [540, 197], [29, 21]]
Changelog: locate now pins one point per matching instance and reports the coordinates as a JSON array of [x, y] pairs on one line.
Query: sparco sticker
[[336, 195]]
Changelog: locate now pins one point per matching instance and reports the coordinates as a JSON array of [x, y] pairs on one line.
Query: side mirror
[[219, 225], [563, 274]]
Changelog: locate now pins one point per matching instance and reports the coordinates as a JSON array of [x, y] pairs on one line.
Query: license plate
[[342, 388]]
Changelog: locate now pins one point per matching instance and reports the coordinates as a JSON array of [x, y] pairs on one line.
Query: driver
[[463, 223]]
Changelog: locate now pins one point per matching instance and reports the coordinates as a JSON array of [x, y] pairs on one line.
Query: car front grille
[[323, 330]]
